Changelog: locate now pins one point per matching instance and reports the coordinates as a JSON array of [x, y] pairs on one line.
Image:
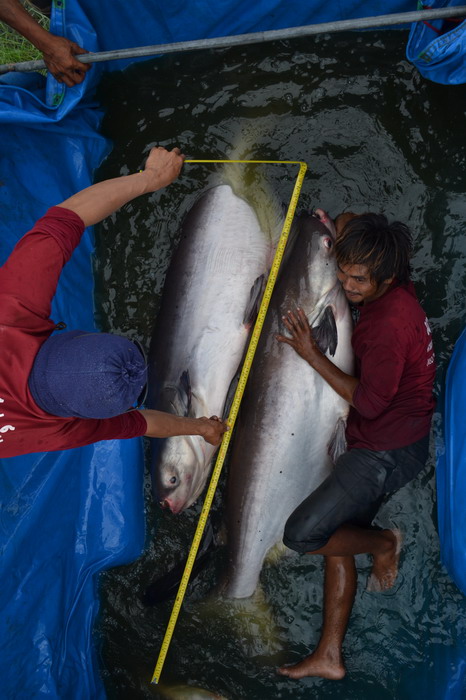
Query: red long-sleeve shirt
[[28, 281], [395, 364]]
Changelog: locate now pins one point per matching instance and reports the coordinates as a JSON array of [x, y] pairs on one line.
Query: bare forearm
[[344, 384], [14, 14], [163, 425], [98, 201]]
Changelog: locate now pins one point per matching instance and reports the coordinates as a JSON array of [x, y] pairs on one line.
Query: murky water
[[376, 136]]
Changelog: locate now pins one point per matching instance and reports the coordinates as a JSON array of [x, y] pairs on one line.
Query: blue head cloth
[[87, 375]]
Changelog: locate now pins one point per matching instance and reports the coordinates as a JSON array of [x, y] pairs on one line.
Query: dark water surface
[[376, 136]]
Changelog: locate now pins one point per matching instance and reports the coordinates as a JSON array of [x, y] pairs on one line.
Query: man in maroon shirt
[[75, 388], [391, 406]]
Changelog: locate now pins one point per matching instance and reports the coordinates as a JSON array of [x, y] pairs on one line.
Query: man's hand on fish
[[162, 167], [165, 425], [301, 336], [213, 429], [304, 344]]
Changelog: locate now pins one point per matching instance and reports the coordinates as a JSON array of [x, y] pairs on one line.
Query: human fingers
[[163, 166], [284, 339], [161, 157], [302, 318], [59, 57], [162, 152], [216, 429], [69, 78], [78, 50], [294, 320], [219, 422]]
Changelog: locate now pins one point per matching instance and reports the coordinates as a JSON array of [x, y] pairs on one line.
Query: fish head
[[180, 471], [319, 256]]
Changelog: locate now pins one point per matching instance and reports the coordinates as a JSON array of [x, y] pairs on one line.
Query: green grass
[[14, 48]]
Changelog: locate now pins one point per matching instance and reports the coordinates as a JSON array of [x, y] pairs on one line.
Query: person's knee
[[303, 534]]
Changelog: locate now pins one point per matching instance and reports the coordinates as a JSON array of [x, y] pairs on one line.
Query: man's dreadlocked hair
[[385, 249]]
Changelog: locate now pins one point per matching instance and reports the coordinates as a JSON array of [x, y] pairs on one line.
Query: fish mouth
[[167, 504]]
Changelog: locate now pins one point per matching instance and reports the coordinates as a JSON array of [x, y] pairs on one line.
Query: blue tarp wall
[[68, 515], [451, 476]]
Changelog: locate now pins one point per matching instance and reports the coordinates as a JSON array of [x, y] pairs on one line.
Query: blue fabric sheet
[[438, 48], [451, 469], [68, 515]]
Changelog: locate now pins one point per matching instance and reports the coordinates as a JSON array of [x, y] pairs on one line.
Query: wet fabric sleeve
[[33, 268], [382, 359]]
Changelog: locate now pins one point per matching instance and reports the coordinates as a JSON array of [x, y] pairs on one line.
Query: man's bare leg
[[383, 545], [339, 591]]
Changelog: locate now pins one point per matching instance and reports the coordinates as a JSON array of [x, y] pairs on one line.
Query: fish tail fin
[[251, 182], [251, 621]]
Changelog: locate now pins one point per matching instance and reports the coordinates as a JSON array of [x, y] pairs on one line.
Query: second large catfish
[[290, 416]]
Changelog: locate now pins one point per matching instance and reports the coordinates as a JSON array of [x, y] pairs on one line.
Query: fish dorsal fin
[[325, 333], [255, 296]]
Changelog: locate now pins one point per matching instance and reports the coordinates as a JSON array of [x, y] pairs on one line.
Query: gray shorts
[[353, 493]]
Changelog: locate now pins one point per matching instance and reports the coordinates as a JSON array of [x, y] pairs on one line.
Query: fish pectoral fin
[[177, 399], [231, 393], [185, 393], [337, 443], [325, 333], [255, 296]]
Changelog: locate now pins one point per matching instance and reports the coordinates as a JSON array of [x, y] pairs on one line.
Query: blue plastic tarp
[[65, 515], [68, 515], [438, 48], [451, 469]]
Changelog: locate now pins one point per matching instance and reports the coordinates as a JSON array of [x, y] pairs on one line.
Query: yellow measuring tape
[[236, 399]]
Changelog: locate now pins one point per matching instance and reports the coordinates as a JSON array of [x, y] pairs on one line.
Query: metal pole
[[253, 38]]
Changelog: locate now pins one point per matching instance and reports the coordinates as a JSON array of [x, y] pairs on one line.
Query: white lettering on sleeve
[[5, 428]]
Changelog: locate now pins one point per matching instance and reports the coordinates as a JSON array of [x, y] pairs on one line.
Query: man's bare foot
[[314, 665], [385, 564]]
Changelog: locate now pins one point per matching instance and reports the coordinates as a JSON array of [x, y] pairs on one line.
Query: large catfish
[[290, 417], [209, 302]]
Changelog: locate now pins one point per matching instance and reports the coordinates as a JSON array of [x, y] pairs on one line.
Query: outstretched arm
[[59, 53], [98, 201], [304, 344], [163, 425]]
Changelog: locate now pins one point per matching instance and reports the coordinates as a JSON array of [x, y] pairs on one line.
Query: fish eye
[[328, 243]]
